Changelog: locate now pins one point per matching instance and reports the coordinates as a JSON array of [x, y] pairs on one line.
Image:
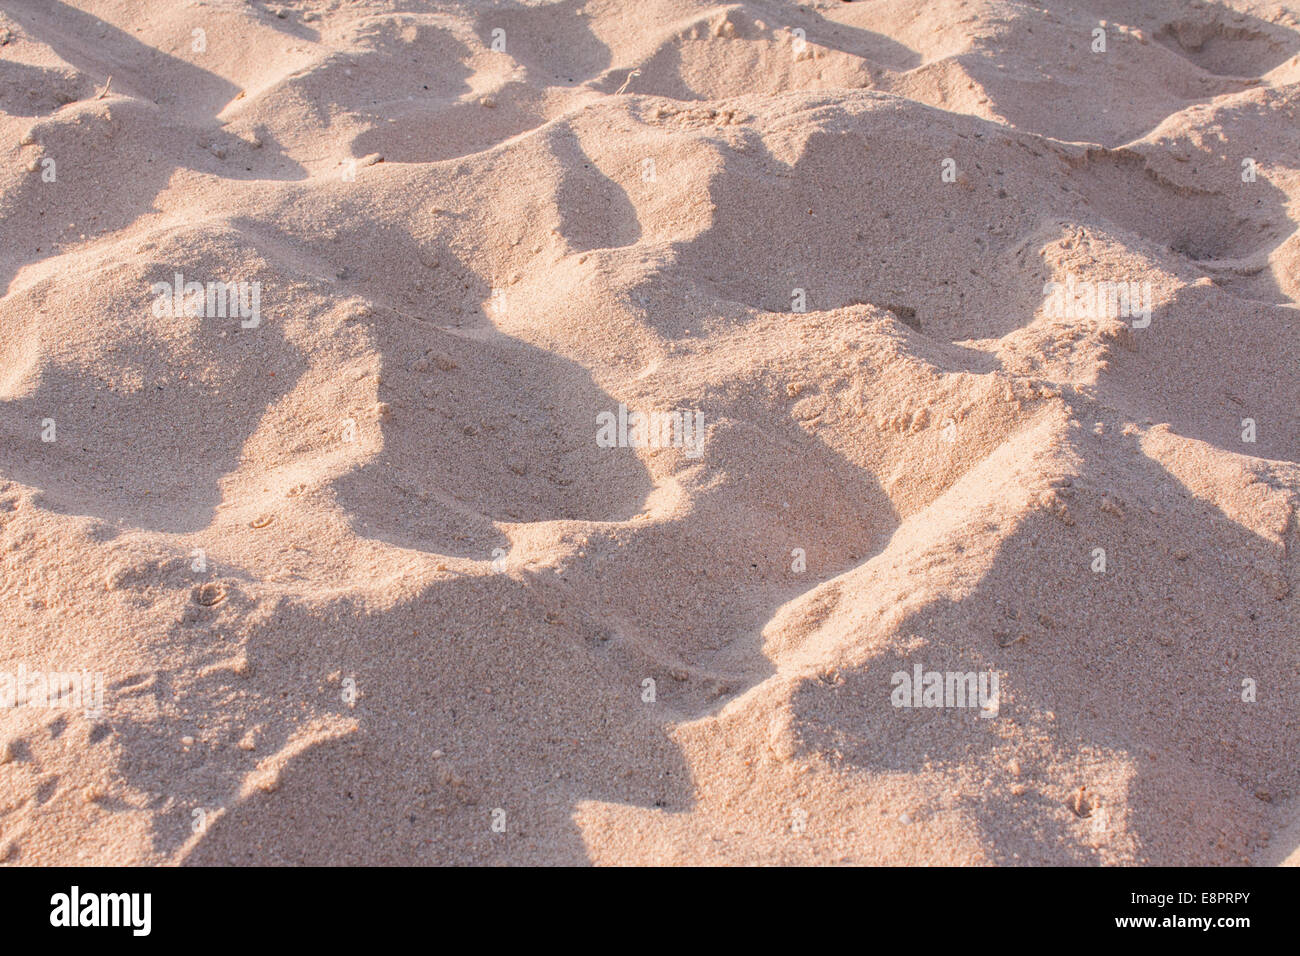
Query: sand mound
[[968, 328]]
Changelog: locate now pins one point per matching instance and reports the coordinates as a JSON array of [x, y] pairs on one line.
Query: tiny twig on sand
[[627, 81]]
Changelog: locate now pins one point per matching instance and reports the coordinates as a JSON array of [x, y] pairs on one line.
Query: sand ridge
[[361, 583]]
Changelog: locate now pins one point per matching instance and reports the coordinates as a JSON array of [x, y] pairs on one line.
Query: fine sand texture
[[334, 530]]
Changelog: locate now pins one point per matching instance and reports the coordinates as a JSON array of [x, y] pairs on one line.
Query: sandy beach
[[656, 433]]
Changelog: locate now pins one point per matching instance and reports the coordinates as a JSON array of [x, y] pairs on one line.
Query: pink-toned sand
[[363, 586]]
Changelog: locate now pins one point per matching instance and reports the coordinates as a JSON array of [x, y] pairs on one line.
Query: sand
[[362, 560]]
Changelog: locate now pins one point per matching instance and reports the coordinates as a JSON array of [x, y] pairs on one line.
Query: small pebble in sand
[[209, 594]]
